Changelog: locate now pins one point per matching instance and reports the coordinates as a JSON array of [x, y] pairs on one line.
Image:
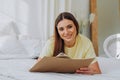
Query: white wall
[[108, 20]]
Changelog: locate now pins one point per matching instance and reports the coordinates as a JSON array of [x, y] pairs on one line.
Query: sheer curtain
[[36, 17], [33, 17]]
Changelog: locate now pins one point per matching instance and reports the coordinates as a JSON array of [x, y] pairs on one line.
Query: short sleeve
[[91, 52], [47, 49]]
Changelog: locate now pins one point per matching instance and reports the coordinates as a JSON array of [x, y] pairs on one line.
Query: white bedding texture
[[11, 47], [18, 69]]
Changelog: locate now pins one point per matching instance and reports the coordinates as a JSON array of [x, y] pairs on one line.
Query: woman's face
[[67, 30]]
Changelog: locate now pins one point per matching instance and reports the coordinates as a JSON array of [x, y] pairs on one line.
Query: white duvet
[[18, 69]]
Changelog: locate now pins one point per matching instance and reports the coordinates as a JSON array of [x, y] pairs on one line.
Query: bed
[[18, 69], [18, 56]]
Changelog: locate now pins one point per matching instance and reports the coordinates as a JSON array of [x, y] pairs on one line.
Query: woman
[[68, 40]]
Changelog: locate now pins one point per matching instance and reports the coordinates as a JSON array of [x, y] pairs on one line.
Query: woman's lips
[[67, 37]]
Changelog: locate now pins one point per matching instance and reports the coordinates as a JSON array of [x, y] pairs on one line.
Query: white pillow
[[11, 48], [7, 28], [32, 45]]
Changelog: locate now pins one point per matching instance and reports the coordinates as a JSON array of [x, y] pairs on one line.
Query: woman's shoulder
[[50, 40], [84, 38]]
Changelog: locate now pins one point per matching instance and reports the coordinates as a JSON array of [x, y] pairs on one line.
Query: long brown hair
[[59, 43]]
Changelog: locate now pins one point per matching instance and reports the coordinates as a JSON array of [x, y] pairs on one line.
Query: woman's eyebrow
[[65, 26], [69, 25]]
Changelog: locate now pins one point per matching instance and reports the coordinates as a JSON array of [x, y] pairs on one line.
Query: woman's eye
[[69, 26], [61, 29]]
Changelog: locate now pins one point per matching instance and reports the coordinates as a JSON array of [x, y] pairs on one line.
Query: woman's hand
[[92, 69], [85, 70], [38, 59]]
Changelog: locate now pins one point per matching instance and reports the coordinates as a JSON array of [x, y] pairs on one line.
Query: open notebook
[[60, 64]]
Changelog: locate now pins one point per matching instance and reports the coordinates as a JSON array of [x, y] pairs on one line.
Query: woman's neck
[[70, 44]]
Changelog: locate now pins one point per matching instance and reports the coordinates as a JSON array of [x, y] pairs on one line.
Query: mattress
[[18, 69]]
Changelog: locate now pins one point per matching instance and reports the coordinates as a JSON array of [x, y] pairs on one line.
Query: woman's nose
[[66, 31]]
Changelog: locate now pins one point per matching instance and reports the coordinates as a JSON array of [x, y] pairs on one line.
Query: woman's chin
[[68, 40]]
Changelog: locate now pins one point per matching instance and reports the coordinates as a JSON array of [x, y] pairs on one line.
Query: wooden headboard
[[94, 26]]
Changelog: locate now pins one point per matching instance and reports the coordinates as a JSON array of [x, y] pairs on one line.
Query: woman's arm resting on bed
[[92, 69]]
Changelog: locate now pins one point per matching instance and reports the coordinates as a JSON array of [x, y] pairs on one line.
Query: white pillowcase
[[7, 28], [32, 45], [11, 48], [14, 44]]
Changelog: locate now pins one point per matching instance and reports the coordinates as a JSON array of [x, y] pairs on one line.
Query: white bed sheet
[[18, 69]]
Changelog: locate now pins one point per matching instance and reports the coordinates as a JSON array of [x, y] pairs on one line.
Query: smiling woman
[[69, 41]]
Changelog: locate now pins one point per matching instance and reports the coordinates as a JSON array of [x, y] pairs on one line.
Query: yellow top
[[83, 48]]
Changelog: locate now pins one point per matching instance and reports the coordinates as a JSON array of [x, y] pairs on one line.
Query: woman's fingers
[[84, 71]]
